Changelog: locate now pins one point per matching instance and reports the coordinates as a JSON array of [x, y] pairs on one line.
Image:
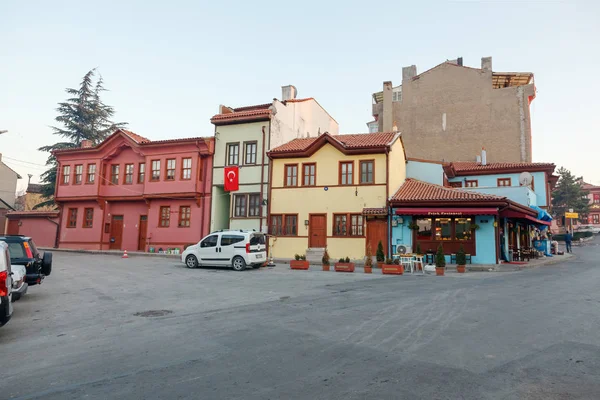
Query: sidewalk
[[113, 252]]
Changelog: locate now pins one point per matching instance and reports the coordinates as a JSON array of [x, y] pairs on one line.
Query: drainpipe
[[387, 201], [56, 239], [204, 196], [262, 178], [103, 222]]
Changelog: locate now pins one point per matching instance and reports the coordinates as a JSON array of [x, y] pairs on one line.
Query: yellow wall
[[337, 199], [397, 167]]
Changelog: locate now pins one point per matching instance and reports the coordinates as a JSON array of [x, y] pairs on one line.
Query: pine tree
[[568, 194], [440, 260], [83, 116]]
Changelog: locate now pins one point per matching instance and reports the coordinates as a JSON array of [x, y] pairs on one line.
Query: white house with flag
[[243, 136]]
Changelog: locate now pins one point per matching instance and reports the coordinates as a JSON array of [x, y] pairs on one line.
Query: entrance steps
[[315, 255]]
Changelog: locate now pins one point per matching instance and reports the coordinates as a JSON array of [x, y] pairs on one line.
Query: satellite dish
[[525, 179]]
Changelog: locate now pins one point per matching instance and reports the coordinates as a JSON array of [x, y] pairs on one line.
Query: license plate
[[259, 256]]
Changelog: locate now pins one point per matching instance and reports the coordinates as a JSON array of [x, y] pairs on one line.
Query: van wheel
[[238, 263], [191, 261]]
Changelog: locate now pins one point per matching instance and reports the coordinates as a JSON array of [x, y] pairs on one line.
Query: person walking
[[568, 240]]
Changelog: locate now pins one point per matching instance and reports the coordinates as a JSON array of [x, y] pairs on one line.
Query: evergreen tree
[[83, 116], [568, 194]]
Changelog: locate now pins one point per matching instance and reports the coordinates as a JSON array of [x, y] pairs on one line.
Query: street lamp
[[1, 132]]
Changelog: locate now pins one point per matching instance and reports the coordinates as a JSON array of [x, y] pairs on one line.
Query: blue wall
[[426, 172], [539, 183], [485, 238]]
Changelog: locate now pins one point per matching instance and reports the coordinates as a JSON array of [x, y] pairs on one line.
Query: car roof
[[4, 237], [234, 231]]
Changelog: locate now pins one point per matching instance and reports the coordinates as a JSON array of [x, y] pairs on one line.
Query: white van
[[228, 248], [6, 307]]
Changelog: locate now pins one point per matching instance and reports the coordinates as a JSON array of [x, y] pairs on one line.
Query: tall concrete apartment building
[[450, 112]]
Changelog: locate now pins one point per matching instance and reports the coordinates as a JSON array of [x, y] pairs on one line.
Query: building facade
[[243, 136], [332, 192], [450, 112], [33, 197], [593, 217], [131, 193], [8, 192]]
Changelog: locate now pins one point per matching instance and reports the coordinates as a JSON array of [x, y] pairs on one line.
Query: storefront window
[[443, 229], [424, 232], [462, 228]]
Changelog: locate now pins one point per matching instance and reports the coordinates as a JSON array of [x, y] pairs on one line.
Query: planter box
[[299, 264], [344, 267], [461, 269], [439, 271], [368, 270], [392, 269], [325, 267]]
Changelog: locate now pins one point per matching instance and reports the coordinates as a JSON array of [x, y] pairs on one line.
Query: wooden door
[[13, 227], [143, 227], [376, 231], [116, 232], [317, 231]]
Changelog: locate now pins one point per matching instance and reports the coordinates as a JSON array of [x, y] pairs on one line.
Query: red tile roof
[[255, 107], [375, 211], [353, 141], [135, 137], [241, 116], [462, 168], [299, 100], [414, 190]]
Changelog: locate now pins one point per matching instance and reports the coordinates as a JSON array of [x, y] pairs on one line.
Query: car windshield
[[257, 238], [16, 250]]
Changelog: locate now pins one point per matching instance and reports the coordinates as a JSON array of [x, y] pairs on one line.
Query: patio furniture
[[418, 260], [430, 258], [468, 258], [407, 263], [453, 258]]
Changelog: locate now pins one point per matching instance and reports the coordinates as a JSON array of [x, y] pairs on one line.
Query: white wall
[[299, 120], [8, 184]]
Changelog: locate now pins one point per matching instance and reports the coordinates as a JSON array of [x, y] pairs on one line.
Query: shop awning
[[520, 215], [538, 221], [445, 211]]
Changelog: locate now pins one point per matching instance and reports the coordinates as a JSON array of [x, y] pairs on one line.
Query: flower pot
[[380, 264], [439, 271], [392, 269], [461, 269], [368, 269], [325, 267], [344, 267], [299, 264]]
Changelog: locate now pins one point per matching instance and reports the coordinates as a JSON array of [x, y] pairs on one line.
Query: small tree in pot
[[440, 261], [461, 260], [325, 261], [380, 255], [368, 260]]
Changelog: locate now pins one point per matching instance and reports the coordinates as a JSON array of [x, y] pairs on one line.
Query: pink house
[[131, 193]]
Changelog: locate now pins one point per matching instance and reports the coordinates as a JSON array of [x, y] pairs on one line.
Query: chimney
[[224, 109], [388, 112], [85, 144], [288, 92], [409, 73], [486, 64], [0, 156], [483, 156], [459, 61]]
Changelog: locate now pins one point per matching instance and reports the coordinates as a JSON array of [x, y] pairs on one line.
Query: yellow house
[[332, 192]]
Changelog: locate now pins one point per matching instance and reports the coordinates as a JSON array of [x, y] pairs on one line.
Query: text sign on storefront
[[444, 213], [571, 215]]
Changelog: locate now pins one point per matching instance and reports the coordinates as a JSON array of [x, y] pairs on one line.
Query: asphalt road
[[105, 328]]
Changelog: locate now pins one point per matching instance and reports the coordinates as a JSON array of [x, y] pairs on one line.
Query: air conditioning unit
[[403, 249]]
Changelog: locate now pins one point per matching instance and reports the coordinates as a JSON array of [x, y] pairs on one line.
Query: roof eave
[[240, 120]]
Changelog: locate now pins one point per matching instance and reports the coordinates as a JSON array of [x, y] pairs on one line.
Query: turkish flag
[[231, 179]]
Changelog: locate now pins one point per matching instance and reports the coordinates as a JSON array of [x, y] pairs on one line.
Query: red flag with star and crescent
[[231, 179]]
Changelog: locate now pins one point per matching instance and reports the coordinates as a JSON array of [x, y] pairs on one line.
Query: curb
[[112, 253]]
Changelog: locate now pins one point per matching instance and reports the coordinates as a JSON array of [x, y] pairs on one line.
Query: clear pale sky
[[169, 64]]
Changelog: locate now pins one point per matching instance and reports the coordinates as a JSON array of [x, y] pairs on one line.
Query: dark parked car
[[24, 252]]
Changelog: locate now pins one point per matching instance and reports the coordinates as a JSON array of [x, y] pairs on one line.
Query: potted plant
[[299, 262], [392, 267], [440, 261], [461, 260], [413, 226], [419, 252], [325, 261], [368, 261], [474, 227], [380, 255], [344, 265]]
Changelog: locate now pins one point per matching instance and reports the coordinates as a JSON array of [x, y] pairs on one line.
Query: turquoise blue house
[[492, 211]]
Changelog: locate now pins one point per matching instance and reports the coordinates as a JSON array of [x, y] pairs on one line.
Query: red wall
[[40, 228]]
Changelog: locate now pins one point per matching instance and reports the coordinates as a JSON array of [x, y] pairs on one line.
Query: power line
[[23, 161]]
